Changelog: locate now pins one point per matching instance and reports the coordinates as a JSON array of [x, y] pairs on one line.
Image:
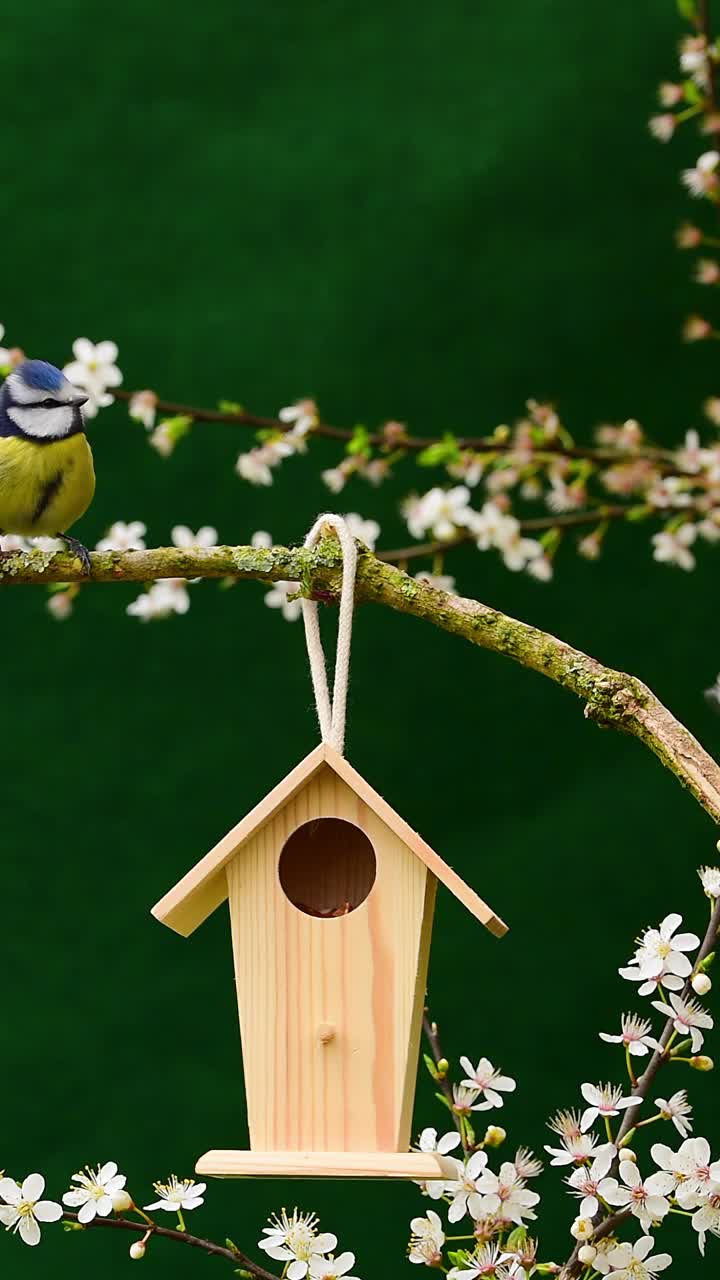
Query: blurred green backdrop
[[413, 211]]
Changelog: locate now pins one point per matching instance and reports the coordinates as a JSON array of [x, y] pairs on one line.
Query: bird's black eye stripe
[[49, 404]]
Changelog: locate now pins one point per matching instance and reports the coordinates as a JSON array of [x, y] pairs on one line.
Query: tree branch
[[180, 1237], [573, 1266], [612, 698], [480, 444]]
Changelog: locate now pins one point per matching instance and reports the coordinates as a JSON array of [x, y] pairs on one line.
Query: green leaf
[[441, 453], [692, 92], [687, 9], [458, 1256], [441, 1098], [430, 1065], [516, 1238], [230, 406], [359, 444]]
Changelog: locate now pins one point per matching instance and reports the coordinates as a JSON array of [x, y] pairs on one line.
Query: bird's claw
[[79, 550]]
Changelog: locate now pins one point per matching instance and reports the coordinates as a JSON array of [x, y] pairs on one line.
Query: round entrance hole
[[327, 867]]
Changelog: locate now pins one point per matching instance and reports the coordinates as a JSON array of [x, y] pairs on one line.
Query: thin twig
[[536, 524], [573, 1266], [180, 1237], [479, 444], [433, 1038]]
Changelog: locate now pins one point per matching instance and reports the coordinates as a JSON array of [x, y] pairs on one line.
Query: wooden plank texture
[[329, 1008], [418, 1165]]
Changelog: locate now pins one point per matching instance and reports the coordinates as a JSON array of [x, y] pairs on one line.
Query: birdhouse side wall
[[330, 1009]]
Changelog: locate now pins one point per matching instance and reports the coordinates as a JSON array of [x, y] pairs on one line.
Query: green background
[[413, 211]]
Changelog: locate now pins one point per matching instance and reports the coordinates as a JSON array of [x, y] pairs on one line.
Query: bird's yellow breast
[[44, 488]]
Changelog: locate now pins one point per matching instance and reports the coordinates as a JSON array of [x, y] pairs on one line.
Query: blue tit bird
[[47, 478]]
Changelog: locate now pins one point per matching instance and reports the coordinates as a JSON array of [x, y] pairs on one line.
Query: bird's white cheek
[[42, 423]]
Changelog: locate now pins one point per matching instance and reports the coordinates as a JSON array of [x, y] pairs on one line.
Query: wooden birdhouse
[[331, 906]]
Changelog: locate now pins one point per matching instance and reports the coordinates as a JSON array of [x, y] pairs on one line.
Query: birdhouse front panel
[[331, 918]]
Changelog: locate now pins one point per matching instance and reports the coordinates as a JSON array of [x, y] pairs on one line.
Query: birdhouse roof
[[204, 887]]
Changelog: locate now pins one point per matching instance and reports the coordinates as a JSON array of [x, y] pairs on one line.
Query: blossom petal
[[48, 1211], [29, 1230], [33, 1187], [10, 1191]]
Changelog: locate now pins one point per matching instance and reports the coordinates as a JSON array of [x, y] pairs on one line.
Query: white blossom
[[707, 1217], [466, 1191], [591, 1184], [678, 1109], [261, 538], [441, 512], [177, 1193], [662, 126], [163, 598], [577, 1147], [634, 1035], [94, 1193], [124, 537], [604, 1100], [702, 179], [710, 877], [334, 479], [24, 1210], [692, 1168], [278, 597], [487, 1260], [143, 408], [60, 604], [332, 1268], [488, 1080], [526, 1163], [294, 1240], [646, 1200], [183, 537], [94, 369], [674, 548], [688, 1017], [506, 1197], [303, 415], [660, 957], [631, 1262], [427, 1239], [367, 531]]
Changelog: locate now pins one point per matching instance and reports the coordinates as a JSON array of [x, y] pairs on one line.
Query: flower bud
[[495, 1135], [121, 1201], [627, 1153], [702, 1063], [582, 1229], [587, 1254], [443, 1066], [137, 1250], [701, 984]]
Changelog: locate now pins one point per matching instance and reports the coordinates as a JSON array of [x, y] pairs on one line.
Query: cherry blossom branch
[[432, 1036], [573, 1266], [613, 699], [480, 444], [661, 1055], [573, 520], [180, 1237]]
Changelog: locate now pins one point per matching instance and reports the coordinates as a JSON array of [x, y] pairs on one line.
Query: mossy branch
[[612, 698]]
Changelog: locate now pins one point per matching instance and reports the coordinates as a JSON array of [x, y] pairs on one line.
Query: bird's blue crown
[[40, 375]]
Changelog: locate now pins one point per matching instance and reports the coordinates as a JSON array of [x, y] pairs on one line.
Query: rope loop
[[331, 713]]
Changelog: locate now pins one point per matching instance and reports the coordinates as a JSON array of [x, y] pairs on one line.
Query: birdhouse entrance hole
[[327, 867]]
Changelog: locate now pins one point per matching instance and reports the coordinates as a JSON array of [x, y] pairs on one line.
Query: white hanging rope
[[331, 715]]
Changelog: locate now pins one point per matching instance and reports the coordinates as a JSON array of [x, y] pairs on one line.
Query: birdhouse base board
[[418, 1166]]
